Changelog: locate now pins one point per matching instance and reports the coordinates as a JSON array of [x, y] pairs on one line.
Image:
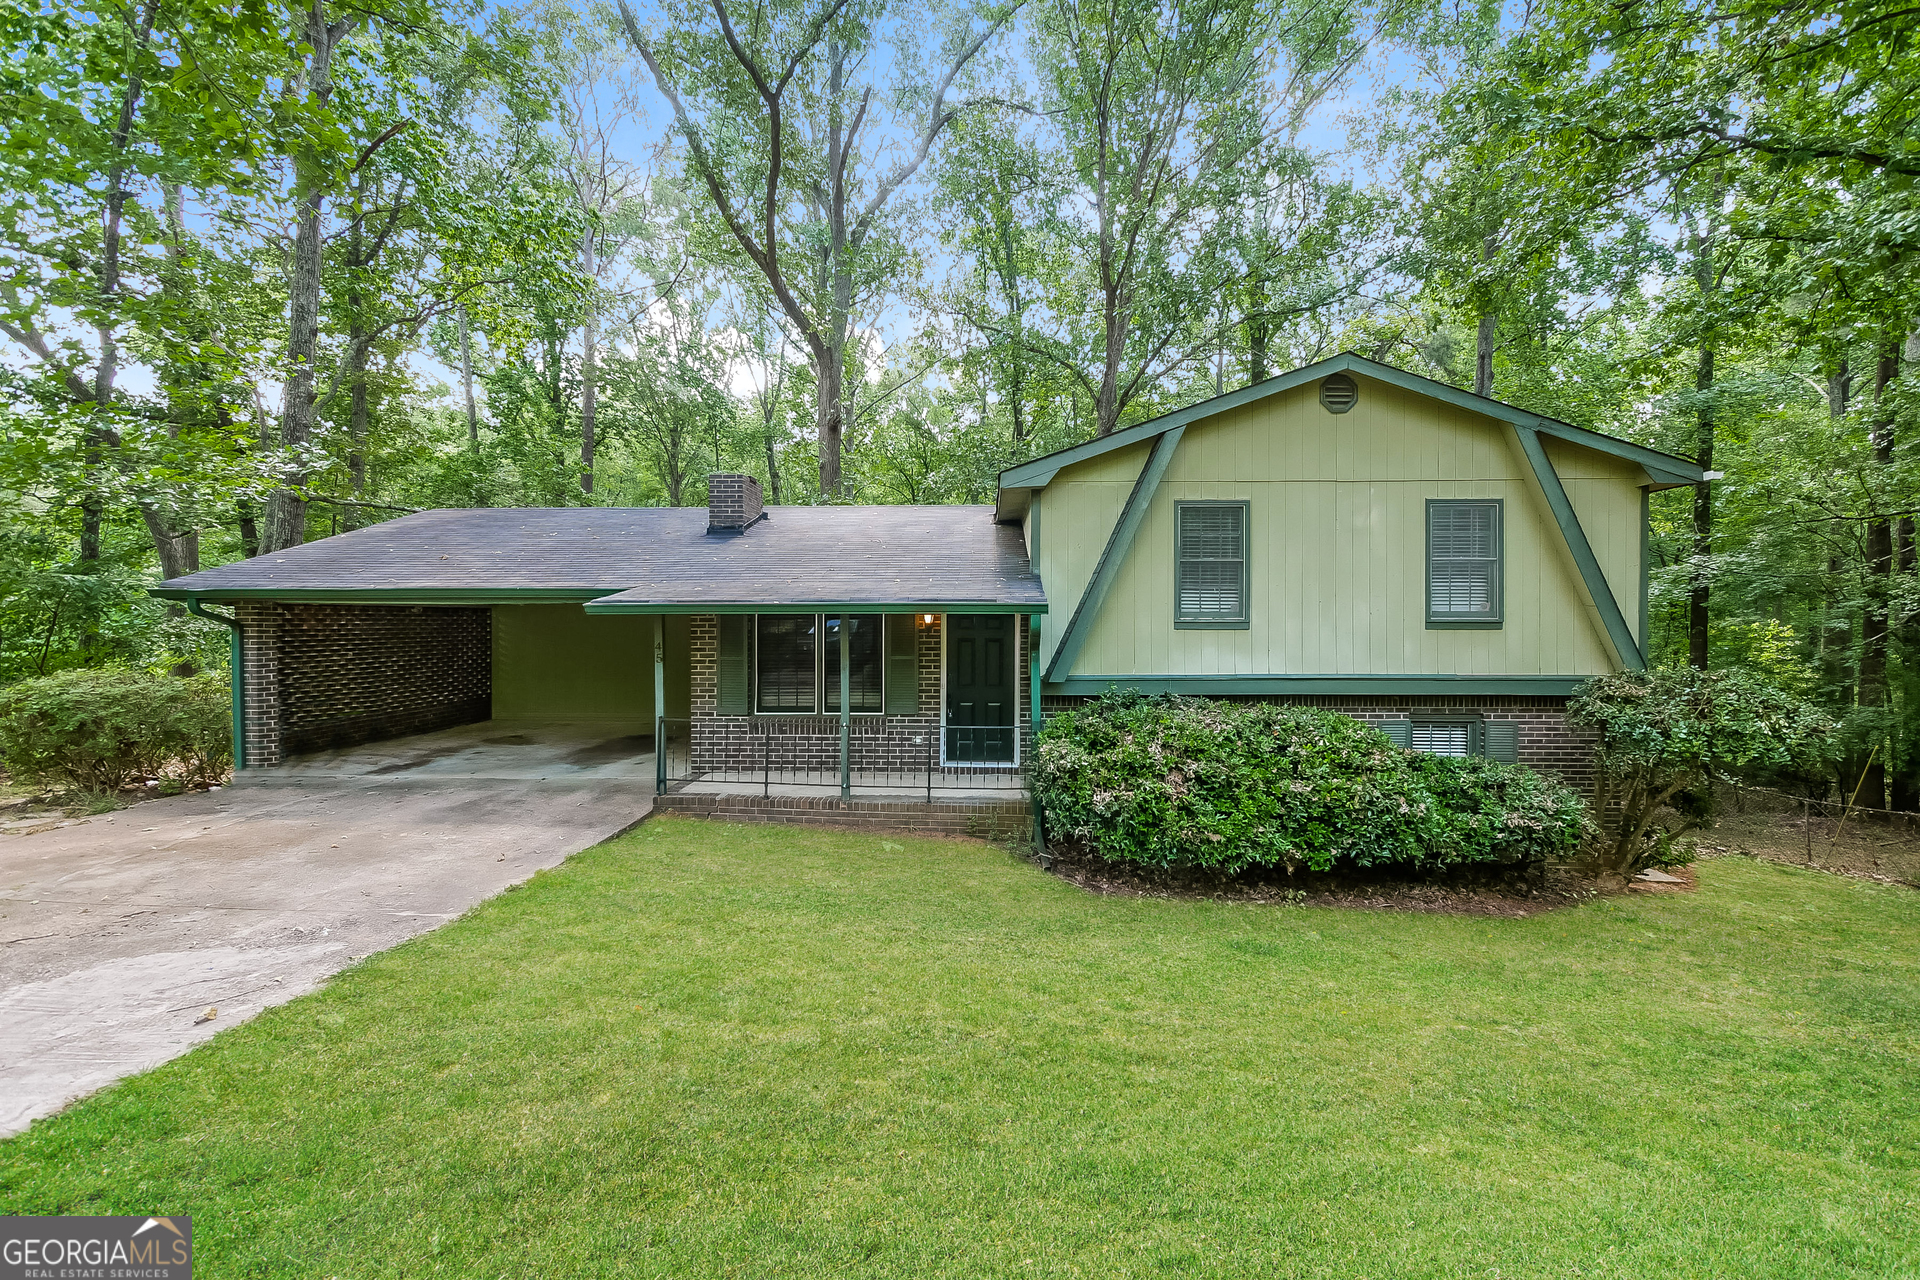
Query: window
[[1210, 554], [1444, 737], [863, 662], [796, 667], [1463, 563], [1457, 736], [786, 674]]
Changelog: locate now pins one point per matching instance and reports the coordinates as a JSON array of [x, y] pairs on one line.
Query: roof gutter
[[391, 595], [236, 665]]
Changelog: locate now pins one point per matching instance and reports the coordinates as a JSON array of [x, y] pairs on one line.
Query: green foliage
[[98, 730], [1166, 781], [1665, 733]]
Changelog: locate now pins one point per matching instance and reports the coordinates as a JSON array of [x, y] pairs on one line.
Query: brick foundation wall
[[1547, 742], [326, 676], [875, 743]]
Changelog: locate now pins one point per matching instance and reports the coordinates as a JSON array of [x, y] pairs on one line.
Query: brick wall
[[260, 654], [326, 676], [996, 819], [1547, 742], [875, 743]]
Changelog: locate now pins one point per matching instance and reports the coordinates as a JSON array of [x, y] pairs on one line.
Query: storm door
[[983, 672]]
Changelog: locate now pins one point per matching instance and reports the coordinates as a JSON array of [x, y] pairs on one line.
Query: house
[[1348, 535]]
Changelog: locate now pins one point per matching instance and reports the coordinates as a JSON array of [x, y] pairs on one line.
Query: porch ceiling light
[[926, 617]]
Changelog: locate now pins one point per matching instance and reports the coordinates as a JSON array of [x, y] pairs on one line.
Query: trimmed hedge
[[1164, 781], [100, 729]]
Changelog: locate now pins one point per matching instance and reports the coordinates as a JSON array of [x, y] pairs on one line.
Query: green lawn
[[707, 1050]]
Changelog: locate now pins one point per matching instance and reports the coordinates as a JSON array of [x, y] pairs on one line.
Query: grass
[[705, 1050]]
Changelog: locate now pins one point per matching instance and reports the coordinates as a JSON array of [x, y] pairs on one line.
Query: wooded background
[[270, 272]]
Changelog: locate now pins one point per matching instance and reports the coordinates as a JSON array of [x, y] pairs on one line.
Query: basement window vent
[[1338, 393]]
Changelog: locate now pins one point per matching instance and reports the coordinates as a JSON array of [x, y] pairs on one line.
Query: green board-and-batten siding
[[1337, 544]]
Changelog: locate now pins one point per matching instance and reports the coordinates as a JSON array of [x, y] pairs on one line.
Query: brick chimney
[[733, 503]]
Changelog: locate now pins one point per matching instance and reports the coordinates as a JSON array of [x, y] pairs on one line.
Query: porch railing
[[892, 763]]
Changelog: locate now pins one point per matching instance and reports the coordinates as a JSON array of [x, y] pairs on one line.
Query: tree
[[794, 153], [438, 208], [1162, 180], [108, 101], [1673, 730]]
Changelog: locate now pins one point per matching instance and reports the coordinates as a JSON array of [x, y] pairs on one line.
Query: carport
[[443, 620]]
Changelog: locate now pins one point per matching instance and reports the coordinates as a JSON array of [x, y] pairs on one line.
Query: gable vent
[[1338, 392]]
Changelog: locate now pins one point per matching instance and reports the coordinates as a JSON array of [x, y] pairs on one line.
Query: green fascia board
[[547, 595], [1665, 469], [811, 607], [389, 595], [1511, 686], [1595, 578], [1119, 542]]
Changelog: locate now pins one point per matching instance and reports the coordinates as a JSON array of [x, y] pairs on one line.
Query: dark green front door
[[983, 670]]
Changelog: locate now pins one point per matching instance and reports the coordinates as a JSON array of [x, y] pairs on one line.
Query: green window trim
[[1455, 564], [1197, 548]]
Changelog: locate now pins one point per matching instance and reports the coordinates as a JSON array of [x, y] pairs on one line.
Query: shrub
[[1167, 781], [99, 729], [1663, 735]]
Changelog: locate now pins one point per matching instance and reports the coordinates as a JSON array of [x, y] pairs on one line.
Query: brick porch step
[[984, 818]]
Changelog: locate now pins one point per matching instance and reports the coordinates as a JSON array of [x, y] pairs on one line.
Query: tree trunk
[[1483, 345], [1837, 675], [249, 527], [466, 383], [179, 551], [1257, 349], [1483, 357], [357, 372], [286, 524], [1106, 405], [835, 272], [589, 346], [1874, 636], [1700, 591], [829, 422], [99, 435], [1009, 272], [1706, 283]]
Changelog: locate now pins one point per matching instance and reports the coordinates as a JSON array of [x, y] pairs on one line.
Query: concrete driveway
[[116, 933]]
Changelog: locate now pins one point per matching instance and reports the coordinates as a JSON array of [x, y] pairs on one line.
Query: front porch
[[888, 705]]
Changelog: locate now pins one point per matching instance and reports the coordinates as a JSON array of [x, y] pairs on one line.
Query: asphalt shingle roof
[[651, 556]]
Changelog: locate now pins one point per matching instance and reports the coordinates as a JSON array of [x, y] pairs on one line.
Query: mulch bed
[[1506, 892]]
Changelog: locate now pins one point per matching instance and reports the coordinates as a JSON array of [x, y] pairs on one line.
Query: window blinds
[[1463, 561], [1212, 573]]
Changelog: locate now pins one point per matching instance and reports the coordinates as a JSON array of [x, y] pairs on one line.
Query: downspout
[[1033, 682], [236, 664]]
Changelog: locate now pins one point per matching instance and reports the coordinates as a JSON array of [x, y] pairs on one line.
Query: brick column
[[260, 622]]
